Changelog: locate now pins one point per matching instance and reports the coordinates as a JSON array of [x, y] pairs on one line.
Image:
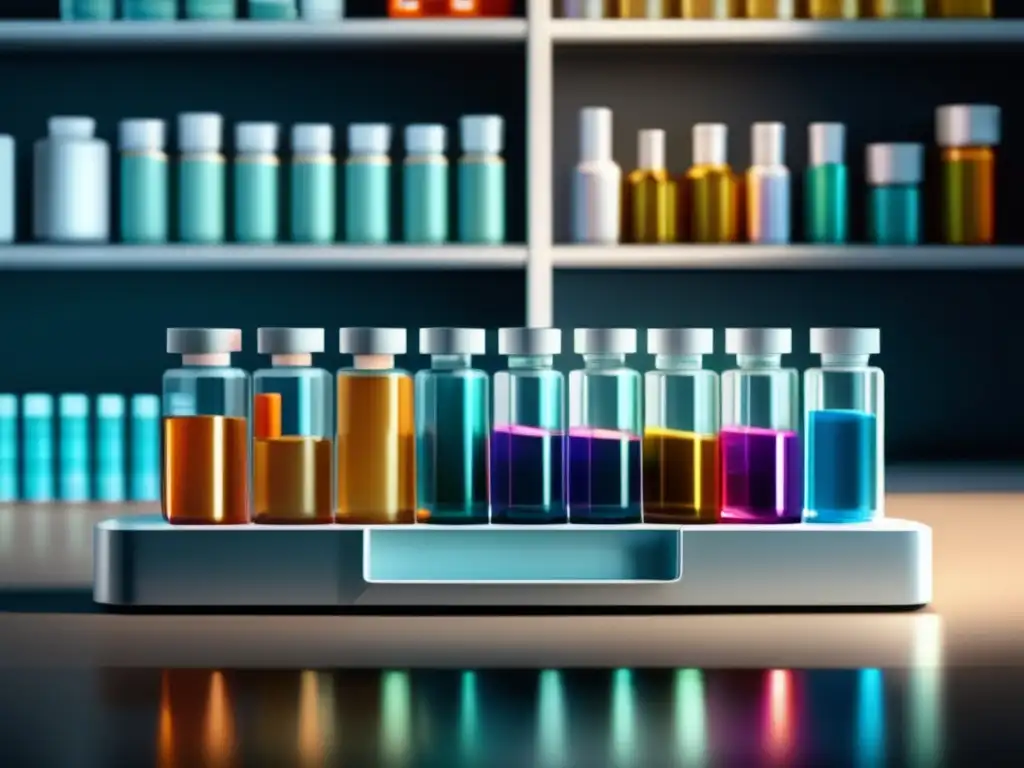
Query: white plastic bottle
[[768, 186], [597, 182]]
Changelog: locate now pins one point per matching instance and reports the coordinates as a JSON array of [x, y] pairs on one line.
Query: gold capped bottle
[[967, 135], [711, 190], [771, 9], [650, 194]]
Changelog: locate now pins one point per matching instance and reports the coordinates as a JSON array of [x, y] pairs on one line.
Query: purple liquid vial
[[527, 476], [604, 479], [762, 476]]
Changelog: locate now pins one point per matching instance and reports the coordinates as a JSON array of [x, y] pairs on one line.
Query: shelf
[[808, 257], [272, 257], [265, 34], [743, 32]]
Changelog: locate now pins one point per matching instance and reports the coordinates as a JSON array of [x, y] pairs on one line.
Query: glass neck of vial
[[373, 362], [531, 362], [845, 361], [449, 362], [758, 362], [592, 362], [212, 360], [678, 362], [291, 361]]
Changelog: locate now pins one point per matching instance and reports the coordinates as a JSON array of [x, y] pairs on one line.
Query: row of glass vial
[[72, 183], [713, 204], [656, 448], [85, 456], [776, 9], [208, 10]]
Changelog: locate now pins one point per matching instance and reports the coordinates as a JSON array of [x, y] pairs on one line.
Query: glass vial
[[75, 463], [322, 10], [368, 184], [681, 416], [770, 9], [206, 430], [967, 136], [844, 422], [649, 197], [603, 483], [528, 436], [965, 9], [37, 447], [314, 184], [8, 448], [768, 186], [145, 451], [425, 185], [273, 10], [834, 9], [150, 10], [762, 459], [597, 182], [826, 183], [642, 9], [899, 9], [257, 172], [292, 423], [87, 10], [712, 192], [481, 180], [452, 428], [144, 182], [706, 9], [210, 10], [202, 185], [894, 175], [376, 439], [111, 483], [584, 9]]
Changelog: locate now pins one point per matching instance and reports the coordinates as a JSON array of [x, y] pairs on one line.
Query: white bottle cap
[[541, 342], [73, 405], [846, 341], [256, 138], [200, 132], [710, 144], [595, 134], [371, 341], [425, 139], [72, 127], [895, 164], [482, 134], [142, 134], [289, 341], [112, 406], [967, 125], [827, 143], [203, 341], [680, 342], [768, 144], [650, 150], [312, 139], [143, 406], [758, 341], [8, 406], [37, 404], [453, 341], [369, 139], [604, 341]]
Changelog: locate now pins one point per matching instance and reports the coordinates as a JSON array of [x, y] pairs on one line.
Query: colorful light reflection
[[552, 720], [690, 709], [396, 718], [624, 745], [780, 730]]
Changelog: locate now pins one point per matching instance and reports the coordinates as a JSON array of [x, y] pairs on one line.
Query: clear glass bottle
[[681, 416], [844, 423], [292, 424], [762, 460], [528, 435], [206, 430], [603, 482], [452, 428], [376, 438]]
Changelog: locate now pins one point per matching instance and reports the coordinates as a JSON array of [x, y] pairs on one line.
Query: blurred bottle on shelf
[[8, 448], [314, 183], [144, 182], [74, 448], [425, 185], [202, 178], [825, 185], [110, 452], [273, 10], [322, 10], [965, 9], [37, 447], [257, 178], [414, 9], [967, 135], [597, 182], [708, 9], [87, 10], [894, 175], [649, 197], [710, 208], [150, 10], [481, 180], [770, 9], [834, 9], [71, 170], [368, 184], [585, 9], [8, 188], [898, 9], [643, 9], [210, 10], [768, 186], [145, 455]]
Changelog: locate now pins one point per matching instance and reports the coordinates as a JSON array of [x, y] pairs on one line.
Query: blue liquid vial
[[368, 184], [74, 448], [202, 183], [528, 433], [894, 175], [481, 180], [844, 422], [145, 448], [144, 182], [8, 448], [314, 184], [425, 185], [452, 428], [603, 481], [110, 449], [37, 447]]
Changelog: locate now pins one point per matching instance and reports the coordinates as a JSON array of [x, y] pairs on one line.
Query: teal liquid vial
[[452, 429], [894, 176], [150, 10], [210, 10], [145, 449], [37, 448], [144, 182], [202, 188], [368, 185], [110, 449], [87, 10], [74, 448], [826, 185], [425, 185], [273, 10], [314, 182], [8, 448], [257, 173], [481, 181]]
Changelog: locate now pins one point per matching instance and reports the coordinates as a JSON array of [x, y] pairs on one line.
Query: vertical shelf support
[[539, 141]]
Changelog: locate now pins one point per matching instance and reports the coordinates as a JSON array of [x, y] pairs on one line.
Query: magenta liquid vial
[[762, 458]]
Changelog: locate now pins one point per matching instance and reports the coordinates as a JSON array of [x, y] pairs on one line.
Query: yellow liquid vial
[[642, 9], [680, 476], [292, 480], [968, 195], [966, 9], [709, 9], [834, 9], [650, 202], [712, 205], [770, 9]]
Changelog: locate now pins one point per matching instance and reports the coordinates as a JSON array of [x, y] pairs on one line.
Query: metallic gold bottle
[[967, 136], [965, 9], [712, 191], [642, 9], [707, 9], [834, 9], [650, 194], [770, 9]]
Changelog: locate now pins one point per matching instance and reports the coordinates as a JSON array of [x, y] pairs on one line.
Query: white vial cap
[[680, 342], [312, 139], [369, 139], [8, 406], [710, 144], [38, 405], [72, 127], [768, 144], [846, 341], [482, 134], [650, 149], [967, 125], [200, 132], [895, 164], [256, 138], [289, 341], [758, 341], [371, 341], [595, 134], [425, 139], [827, 143], [73, 405], [203, 341], [112, 406], [541, 342], [453, 341], [604, 341], [142, 134], [143, 406]]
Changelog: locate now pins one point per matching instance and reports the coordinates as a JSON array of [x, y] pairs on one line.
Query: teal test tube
[[314, 184], [481, 180], [210, 10], [368, 184], [110, 463], [87, 10], [150, 10], [201, 192], [273, 10], [827, 207], [145, 462], [144, 182], [74, 448], [8, 448], [257, 172], [37, 447], [425, 185], [894, 175]]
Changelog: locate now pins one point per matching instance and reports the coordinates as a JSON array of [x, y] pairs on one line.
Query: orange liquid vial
[[465, 8], [967, 135], [206, 470]]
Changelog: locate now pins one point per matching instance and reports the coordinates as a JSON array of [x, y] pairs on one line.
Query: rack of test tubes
[[607, 488]]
